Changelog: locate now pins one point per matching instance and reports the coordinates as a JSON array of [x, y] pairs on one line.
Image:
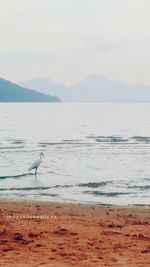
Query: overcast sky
[[67, 40]]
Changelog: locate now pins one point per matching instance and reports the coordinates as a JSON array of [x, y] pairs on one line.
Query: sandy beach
[[62, 235]]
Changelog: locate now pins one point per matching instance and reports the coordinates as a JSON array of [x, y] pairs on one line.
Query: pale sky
[[67, 40]]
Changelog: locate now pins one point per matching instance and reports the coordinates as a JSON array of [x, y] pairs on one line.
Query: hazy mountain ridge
[[47, 86], [11, 92], [95, 88]]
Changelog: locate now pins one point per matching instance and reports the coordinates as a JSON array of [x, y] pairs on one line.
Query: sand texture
[[73, 235]]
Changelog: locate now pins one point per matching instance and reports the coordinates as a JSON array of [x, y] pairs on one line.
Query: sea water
[[94, 153]]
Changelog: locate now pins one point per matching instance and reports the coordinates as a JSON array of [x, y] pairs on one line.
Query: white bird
[[36, 163]]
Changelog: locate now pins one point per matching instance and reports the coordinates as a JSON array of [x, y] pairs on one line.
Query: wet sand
[[73, 235]]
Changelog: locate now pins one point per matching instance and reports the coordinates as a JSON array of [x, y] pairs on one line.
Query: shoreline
[[73, 202], [73, 234]]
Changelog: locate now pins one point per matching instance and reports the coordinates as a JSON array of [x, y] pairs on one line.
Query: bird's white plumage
[[37, 162]]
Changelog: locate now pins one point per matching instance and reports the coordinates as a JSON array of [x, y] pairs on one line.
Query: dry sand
[[73, 235]]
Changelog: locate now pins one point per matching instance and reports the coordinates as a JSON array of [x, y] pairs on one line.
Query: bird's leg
[[35, 172]]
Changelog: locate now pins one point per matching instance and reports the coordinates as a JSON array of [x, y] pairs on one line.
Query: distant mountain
[[98, 88], [10, 92], [95, 88], [47, 86]]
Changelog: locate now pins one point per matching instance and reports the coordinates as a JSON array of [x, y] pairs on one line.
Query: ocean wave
[[50, 143], [140, 187], [34, 188], [105, 194], [94, 184], [120, 139], [10, 147], [64, 142], [15, 176], [18, 142], [48, 194], [145, 139], [72, 140]]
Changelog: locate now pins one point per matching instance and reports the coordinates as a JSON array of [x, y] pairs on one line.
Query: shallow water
[[93, 152]]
